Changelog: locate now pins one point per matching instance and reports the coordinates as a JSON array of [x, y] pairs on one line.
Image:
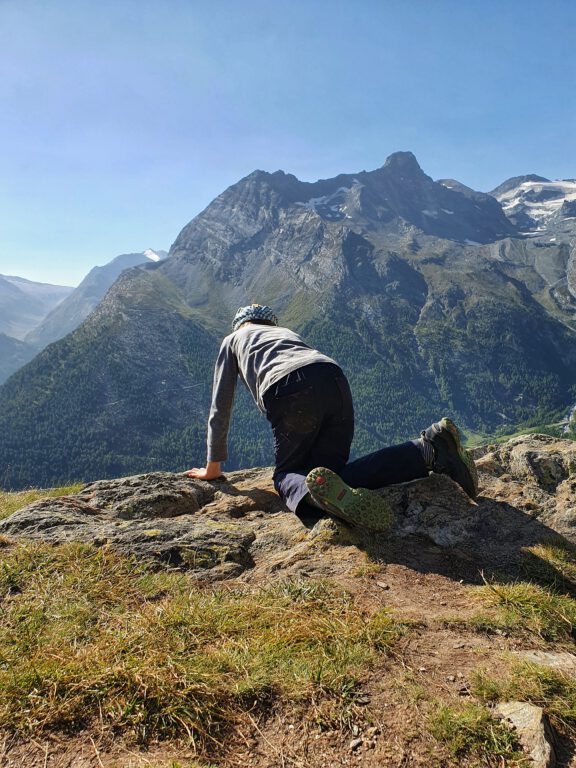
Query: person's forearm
[[224, 386]]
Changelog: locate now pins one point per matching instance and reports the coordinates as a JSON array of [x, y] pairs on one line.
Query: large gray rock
[[152, 516], [238, 525]]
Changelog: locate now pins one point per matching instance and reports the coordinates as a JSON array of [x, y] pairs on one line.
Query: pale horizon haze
[[122, 120]]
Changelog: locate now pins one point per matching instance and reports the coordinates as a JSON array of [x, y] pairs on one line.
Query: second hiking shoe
[[450, 457], [357, 506]]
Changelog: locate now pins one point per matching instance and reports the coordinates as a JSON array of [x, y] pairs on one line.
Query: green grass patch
[[88, 635], [524, 610], [553, 565], [549, 426], [539, 685], [469, 731], [11, 502]]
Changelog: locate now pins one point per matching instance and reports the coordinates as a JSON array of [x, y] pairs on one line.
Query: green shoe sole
[[357, 506]]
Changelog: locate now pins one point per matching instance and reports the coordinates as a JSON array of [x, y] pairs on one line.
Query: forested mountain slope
[[425, 292]]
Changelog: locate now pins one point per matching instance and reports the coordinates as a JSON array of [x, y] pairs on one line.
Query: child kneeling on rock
[[306, 398]]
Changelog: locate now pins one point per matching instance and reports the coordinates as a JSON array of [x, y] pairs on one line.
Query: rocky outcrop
[[237, 526], [535, 474]]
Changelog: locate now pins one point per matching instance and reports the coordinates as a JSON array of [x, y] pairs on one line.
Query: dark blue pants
[[312, 418]]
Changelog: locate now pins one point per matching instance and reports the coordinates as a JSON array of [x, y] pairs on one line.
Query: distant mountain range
[[76, 307], [24, 303], [433, 297], [33, 315]]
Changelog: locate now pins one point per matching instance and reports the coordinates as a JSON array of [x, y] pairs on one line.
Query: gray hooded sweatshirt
[[261, 355]]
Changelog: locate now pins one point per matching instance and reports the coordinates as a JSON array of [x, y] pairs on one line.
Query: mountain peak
[[516, 181], [403, 161]]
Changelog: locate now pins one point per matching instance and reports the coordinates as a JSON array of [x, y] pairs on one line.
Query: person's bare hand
[[210, 472]]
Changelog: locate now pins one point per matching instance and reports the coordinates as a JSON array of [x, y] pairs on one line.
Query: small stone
[[355, 730], [533, 731], [451, 679], [355, 743], [459, 645], [374, 730], [422, 669], [383, 585]]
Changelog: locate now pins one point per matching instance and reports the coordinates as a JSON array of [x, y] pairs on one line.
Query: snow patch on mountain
[[538, 199], [332, 207], [154, 255]]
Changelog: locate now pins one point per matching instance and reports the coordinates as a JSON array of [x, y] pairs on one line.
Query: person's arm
[[223, 389]]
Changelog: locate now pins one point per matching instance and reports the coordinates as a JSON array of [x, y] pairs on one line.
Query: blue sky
[[122, 120]]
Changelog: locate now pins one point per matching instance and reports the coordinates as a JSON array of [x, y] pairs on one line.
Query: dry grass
[[525, 608], [553, 565], [87, 635], [544, 611]]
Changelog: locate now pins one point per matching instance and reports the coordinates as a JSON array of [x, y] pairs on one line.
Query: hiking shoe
[[450, 457], [357, 506]]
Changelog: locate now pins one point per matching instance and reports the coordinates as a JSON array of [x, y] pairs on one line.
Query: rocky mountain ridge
[[424, 292], [54, 320], [76, 307]]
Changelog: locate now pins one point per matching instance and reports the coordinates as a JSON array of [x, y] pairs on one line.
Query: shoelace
[[428, 451]]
